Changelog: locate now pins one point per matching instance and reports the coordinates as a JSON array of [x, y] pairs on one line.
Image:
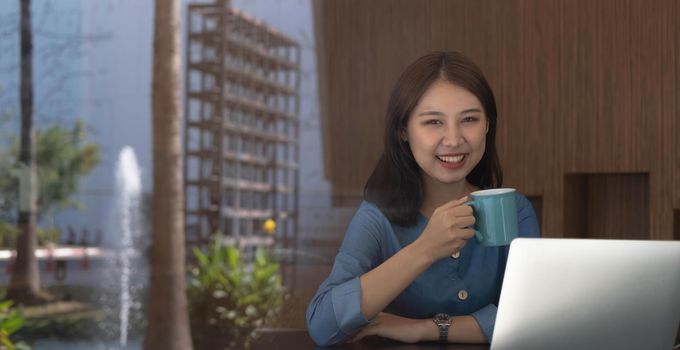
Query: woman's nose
[[453, 137]]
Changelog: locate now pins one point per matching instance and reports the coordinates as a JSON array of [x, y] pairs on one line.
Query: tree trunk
[[24, 287], [168, 323]]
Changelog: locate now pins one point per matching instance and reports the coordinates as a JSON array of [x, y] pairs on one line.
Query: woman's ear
[[402, 135], [487, 127]]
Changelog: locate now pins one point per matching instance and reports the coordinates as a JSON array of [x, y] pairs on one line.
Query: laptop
[[589, 294]]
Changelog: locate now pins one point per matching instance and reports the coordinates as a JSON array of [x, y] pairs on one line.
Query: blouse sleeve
[[334, 313], [528, 227]]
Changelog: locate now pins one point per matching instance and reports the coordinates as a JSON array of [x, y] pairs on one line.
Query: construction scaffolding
[[241, 132]]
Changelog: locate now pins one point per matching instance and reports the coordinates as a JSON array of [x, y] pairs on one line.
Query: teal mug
[[495, 213]]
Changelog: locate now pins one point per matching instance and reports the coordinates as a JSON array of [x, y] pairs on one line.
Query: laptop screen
[[589, 294]]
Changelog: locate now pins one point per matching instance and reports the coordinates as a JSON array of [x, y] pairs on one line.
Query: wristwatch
[[443, 322]]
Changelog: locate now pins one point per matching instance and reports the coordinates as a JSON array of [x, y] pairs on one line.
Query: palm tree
[[24, 286], [168, 322]]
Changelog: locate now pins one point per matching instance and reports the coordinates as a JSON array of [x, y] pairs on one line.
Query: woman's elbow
[[321, 340], [320, 336], [323, 332]]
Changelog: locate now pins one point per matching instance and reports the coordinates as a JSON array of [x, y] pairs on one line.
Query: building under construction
[[241, 130]]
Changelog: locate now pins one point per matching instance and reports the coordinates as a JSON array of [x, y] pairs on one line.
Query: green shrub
[[8, 235], [229, 297], [10, 232], [48, 235], [11, 320]]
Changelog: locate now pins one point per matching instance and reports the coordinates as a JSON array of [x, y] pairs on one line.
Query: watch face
[[442, 318]]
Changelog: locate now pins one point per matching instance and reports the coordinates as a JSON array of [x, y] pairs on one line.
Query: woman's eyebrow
[[471, 110], [431, 112], [438, 113]]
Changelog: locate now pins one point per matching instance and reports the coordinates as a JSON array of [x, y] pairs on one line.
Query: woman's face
[[447, 133]]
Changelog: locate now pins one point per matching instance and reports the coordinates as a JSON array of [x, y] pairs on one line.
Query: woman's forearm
[[464, 329], [384, 283]]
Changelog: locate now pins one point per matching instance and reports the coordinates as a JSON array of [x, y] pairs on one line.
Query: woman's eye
[[470, 119], [433, 122]]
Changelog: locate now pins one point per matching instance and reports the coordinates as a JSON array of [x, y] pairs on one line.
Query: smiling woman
[[447, 134], [407, 269], [443, 101]]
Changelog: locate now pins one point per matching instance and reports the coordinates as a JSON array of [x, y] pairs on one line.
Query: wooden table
[[297, 339]]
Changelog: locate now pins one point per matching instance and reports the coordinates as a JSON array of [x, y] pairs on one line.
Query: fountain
[[128, 185]]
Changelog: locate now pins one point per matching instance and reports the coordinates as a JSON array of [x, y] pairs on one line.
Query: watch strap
[[443, 333], [443, 322]]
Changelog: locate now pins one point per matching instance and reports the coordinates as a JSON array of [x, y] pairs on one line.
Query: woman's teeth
[[451, 159]]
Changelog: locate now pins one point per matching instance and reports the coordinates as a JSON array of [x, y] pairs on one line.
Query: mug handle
[[478, 235]]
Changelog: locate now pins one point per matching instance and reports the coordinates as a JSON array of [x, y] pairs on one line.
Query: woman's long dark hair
[[395, 185]]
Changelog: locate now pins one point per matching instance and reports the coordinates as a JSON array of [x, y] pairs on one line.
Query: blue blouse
[[467, 285]]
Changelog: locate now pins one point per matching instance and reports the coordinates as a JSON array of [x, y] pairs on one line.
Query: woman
[[407, 262]]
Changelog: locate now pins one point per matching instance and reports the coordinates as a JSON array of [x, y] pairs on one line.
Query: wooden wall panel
[[673, 28], [582, 87], [615, 213], [575, 206], [596, 207], [508, 72], [539, 72], [652, 71]]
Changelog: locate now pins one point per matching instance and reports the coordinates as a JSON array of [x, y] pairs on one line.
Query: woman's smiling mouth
[[452, 161]]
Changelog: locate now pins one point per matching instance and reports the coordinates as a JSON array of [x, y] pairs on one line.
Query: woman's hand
[[397, 328], [447, 231]]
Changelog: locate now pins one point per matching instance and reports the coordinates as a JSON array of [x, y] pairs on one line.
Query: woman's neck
[[438, 194]]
